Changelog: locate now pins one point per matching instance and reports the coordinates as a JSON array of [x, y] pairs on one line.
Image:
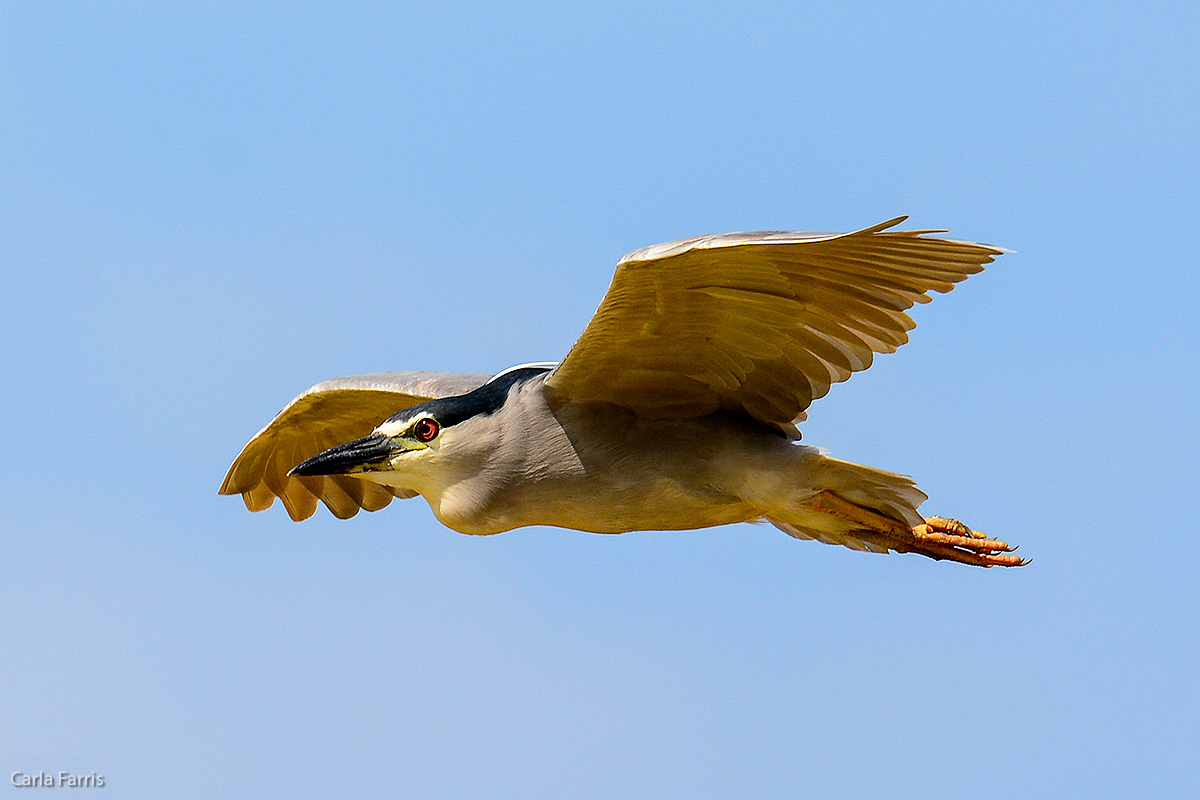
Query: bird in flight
[[675, 409]]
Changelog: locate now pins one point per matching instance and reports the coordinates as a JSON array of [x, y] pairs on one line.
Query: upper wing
[[331, 413], [756, 323]]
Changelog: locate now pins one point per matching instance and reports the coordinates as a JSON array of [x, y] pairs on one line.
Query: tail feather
[[887, 493], [847, 539]]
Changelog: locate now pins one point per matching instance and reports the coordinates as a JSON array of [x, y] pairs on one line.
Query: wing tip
[[656, 252]]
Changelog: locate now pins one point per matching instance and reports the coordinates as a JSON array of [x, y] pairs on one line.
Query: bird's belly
[[604, 470], [597, 506]]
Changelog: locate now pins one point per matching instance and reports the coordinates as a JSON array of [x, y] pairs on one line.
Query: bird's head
[[405, 444]]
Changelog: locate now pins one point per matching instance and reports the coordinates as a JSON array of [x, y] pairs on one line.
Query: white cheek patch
[[391, 429]]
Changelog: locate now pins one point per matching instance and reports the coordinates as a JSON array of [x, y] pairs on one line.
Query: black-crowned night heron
[[675, 409]]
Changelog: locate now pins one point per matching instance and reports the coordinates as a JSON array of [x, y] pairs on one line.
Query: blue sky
[[204, 209]]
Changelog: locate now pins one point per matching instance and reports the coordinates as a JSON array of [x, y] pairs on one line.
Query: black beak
[[347, 458]]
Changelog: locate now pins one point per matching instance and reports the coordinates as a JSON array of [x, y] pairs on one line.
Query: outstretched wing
[[756, 323], [331, 413]]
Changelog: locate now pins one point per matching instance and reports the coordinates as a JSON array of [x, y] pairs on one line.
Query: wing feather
[[757, 323], [325, 415]]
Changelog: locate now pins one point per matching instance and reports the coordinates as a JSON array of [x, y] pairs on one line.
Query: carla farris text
[[25, 779]]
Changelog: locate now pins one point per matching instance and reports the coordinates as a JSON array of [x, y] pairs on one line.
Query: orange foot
[[949, 538], [936, 538]]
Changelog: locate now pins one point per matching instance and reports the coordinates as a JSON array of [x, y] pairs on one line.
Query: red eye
[[425, 430]]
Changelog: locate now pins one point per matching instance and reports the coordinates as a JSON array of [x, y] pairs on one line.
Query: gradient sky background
[[205, 208]]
